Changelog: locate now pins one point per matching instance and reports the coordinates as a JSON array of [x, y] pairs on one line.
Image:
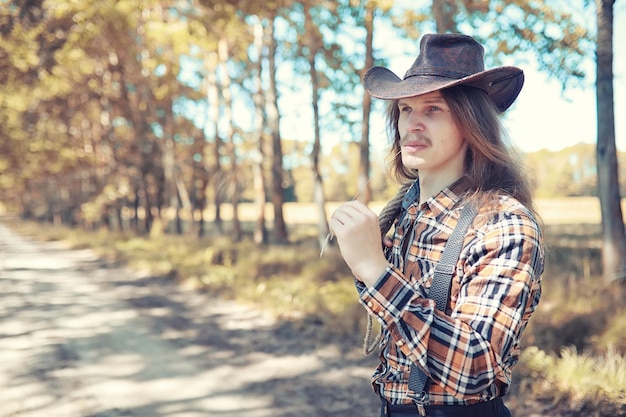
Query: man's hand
[[358, 235]]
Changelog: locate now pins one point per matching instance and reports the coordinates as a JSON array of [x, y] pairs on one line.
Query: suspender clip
[[420, 402]]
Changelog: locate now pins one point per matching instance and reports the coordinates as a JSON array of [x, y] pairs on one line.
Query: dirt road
[[79, 338]]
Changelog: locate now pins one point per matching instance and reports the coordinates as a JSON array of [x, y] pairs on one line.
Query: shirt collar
[[444, 200]]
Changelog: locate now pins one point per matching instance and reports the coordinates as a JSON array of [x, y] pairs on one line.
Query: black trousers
[[493, 408]]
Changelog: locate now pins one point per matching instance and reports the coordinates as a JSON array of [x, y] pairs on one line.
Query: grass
[[573, 358]]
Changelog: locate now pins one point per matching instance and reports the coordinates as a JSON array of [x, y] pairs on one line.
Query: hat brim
[[502, 85]]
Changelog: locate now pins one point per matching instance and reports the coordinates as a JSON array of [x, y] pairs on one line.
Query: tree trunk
[[314, 44], [260, 231], [134, 222], [278, 198], [444, 12], [613, 236], [184, 202], [214, 116], [147, 204], [202, 200], [169, 185], [228, 121], [365, 191], [119, 204]]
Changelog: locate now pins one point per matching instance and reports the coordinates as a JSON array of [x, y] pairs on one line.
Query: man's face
[[430, 140]]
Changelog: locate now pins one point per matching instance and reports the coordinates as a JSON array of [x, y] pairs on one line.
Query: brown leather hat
[[447, 60]]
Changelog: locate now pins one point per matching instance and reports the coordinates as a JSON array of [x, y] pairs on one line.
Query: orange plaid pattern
[[470, 351]]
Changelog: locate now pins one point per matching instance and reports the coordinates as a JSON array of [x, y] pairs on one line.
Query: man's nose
[[415, 122]]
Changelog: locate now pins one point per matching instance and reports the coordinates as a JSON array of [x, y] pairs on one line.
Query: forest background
[[116, 111], [155, 131]]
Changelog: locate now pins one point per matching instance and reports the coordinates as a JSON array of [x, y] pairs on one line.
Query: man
[[448, 148]]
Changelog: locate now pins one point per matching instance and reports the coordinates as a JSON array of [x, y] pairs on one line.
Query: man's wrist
[[370, 272]]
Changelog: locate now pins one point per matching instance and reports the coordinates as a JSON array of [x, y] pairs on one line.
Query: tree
[[365, 194], [213, 98], [260, 196], [333, 76], [613, 234], [223, 54], [312, 43], [273, 115]]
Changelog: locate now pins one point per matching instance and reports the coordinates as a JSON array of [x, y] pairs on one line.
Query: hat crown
[[448, 55]]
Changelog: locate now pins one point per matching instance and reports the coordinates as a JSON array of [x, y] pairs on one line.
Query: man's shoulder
[[505, 208], [509, 204]]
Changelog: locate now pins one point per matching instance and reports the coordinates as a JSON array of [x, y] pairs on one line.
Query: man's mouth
[[414, 146]]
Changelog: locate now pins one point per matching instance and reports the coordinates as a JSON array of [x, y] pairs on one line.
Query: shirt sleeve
[[498, 288]]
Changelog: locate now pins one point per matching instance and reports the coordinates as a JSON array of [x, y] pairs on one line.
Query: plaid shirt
[[468, 352]]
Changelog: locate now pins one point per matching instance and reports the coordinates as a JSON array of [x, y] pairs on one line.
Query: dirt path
[[80, 339]]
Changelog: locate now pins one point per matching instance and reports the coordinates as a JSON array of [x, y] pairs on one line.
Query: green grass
[[574, 350]]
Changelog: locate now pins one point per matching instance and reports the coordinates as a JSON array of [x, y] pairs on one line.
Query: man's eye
[[434, 109]]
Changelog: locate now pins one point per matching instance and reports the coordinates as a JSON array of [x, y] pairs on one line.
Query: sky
[[543, 116]]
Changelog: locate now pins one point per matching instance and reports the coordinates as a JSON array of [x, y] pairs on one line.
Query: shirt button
[[400, 343], [380, 314], [370, 304]]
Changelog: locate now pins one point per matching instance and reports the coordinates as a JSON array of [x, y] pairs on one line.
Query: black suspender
[[439, 291]]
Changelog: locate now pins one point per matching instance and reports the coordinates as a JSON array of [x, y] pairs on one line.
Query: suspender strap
[[440, 290]]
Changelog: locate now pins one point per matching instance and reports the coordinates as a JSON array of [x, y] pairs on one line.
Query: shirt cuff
[[389, 296]]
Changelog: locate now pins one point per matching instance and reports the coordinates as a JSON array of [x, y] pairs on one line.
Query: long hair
[[491, 163]]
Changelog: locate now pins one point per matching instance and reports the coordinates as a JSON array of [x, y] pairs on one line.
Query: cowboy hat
[[447, 60]]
